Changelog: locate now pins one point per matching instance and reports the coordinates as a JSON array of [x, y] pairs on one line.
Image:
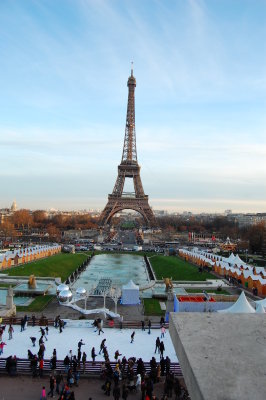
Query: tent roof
[[130, 285], [260, 309], [263, 302], [238, 260], [241, 306], [231, 259]]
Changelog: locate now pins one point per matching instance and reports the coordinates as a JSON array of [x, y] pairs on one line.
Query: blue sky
[[200, 101]]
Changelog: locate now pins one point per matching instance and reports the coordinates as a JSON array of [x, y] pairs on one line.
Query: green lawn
[[6, 285], [177, 269], [207, 290], [38, 304], [60, 265], [152, 307]]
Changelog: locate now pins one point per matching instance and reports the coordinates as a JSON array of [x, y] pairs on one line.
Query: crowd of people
[[120, 378]]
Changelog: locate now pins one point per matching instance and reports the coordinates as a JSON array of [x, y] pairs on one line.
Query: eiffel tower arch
[[129, 168]]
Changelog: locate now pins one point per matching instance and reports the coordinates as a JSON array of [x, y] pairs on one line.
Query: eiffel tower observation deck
[[129, 169]]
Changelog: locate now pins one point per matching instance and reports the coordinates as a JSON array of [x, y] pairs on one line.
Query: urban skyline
[[200, 101]]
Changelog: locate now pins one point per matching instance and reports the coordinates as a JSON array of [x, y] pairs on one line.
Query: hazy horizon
[[200, 102]]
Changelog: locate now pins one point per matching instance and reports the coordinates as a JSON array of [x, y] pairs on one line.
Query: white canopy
[[130, 293], [231, 259], [241, 306], [238, 260], [260, 309], [262, 302]]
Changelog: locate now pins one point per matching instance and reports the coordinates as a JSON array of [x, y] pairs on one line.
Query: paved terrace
[[222, 356]]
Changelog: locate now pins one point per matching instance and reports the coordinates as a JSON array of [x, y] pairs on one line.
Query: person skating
[[10, 332], [80, 343], [117, 354], [43, 333], [102, 345], [93, 355], [46, 330], [132, 337], [142, 325], [33, 318], [149, 326], [61, 325], [33, 340], [162, 348], [100, 326], [22, 324], [25, 321], [163, 330], [157, 345]]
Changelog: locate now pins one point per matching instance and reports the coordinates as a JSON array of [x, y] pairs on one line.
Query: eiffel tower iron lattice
[[128, 168]]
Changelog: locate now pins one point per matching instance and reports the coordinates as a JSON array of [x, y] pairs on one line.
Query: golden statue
[[168, 284], [32, 282]]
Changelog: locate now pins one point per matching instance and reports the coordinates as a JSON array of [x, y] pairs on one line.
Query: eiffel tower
[[128, 168]]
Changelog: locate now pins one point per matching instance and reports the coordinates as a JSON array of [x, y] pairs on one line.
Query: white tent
[[240, 306], [238, 260], [262, 302], [260, 309], [130, 293], [231, 259]]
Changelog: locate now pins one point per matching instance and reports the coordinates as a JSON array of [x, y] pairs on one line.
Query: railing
[[107, 324], [91, 369]]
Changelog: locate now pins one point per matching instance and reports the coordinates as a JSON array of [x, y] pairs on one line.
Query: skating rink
[[143, 346]]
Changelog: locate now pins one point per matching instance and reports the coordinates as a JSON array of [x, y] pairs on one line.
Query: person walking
[[41, 363], [84, 359], [10, 332], [52, 385], [58, 380], [116, 392], [43, 394], [132, 337], [125, 392]]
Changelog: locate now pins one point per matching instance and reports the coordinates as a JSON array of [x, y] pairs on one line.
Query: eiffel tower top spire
[[129, 155]]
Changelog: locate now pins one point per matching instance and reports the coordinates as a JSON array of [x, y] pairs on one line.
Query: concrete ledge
[[222, 356]]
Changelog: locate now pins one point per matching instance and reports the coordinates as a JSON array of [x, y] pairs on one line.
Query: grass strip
[[38, 304], [177, 269]]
